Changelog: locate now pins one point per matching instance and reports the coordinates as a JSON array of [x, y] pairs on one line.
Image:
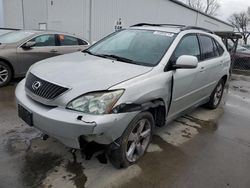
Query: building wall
[[214, 25], [69, 16], [94, 19], [105, 15], [35, 12], [1, 14], [13, 14]]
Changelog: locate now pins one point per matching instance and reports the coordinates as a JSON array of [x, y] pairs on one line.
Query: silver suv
[[117, 91]]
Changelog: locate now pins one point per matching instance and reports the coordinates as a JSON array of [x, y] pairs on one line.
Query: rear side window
[[209, 49], [189, 45], [216, 51], [67, 40]]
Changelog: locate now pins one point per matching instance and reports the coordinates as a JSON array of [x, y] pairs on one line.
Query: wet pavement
[[202, 149]]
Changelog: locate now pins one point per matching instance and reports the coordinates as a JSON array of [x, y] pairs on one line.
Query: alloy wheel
[[218, 94], [138, 140], [3, 74]]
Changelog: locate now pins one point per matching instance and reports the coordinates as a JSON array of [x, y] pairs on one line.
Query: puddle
[[76, 168], [240, 89], [36, 166], [205, 126], [159, 169]]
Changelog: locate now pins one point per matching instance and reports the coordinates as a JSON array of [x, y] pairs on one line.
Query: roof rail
[[197, 28], [182, 27], [156, 25]]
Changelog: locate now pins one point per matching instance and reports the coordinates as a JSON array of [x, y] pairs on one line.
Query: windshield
[[141, 47], [14, 37], [2, 32]]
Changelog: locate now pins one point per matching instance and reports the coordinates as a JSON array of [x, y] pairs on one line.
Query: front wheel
[[216, 95], [5, 74], [132, 145]]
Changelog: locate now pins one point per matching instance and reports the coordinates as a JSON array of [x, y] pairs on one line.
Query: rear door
[[69, 44], [45, 47], [212, 63], [187, 83]]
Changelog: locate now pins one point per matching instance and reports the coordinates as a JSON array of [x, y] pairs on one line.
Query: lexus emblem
[[36, 85]]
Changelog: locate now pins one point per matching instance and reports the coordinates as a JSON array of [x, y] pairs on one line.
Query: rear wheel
[[134, 141], [216, 95], [5, 74]]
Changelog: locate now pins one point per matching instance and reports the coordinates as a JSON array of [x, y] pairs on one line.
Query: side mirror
[[186, 62], [29, 45]]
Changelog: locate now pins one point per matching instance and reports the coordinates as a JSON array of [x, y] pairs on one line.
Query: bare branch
[[209, 7], [241, 22]]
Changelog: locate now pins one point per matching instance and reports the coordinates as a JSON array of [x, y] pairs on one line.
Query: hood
[[85, 73]]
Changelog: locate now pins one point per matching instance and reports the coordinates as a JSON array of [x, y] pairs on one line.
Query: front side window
[[67, 40], [143, 47], [189, 45], [44, 40], [207, 47]]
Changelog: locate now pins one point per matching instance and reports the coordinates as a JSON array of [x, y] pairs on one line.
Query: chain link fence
[[241, 63]]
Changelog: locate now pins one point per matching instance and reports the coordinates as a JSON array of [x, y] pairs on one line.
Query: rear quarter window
[[82, 42]]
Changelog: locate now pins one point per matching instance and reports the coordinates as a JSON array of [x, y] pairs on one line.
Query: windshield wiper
[[118, 58], [115, 57]]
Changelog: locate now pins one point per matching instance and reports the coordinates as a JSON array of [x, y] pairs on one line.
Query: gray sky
[[228, 7]]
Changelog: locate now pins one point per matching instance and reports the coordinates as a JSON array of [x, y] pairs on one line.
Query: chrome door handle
[[202, 69]]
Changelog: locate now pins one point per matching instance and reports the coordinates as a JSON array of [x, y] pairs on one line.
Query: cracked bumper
[[63, 125]]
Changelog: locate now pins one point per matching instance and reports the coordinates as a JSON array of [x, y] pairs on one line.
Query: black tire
[[5, 74], [117, 151], [213, 103]]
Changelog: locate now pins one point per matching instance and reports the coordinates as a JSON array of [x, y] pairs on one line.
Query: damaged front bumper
[[68, 126]]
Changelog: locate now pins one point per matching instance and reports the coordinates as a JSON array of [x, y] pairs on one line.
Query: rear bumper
[[63, 124]]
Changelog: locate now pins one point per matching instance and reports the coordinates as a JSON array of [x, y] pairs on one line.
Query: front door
[[44, 48], [187, 83]]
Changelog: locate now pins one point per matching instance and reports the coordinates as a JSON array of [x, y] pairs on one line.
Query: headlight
[[96, 103]]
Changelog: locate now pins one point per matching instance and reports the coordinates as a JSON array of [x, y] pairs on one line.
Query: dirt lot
[[202, 149]]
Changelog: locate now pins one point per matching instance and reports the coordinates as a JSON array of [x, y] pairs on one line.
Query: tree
[[241, 21], [209, 7]]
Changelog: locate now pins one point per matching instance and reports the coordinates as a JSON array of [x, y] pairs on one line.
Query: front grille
[[43, 88]]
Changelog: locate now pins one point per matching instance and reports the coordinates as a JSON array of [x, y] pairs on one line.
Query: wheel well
[[224, 78], [159, 113], [9, 64]]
